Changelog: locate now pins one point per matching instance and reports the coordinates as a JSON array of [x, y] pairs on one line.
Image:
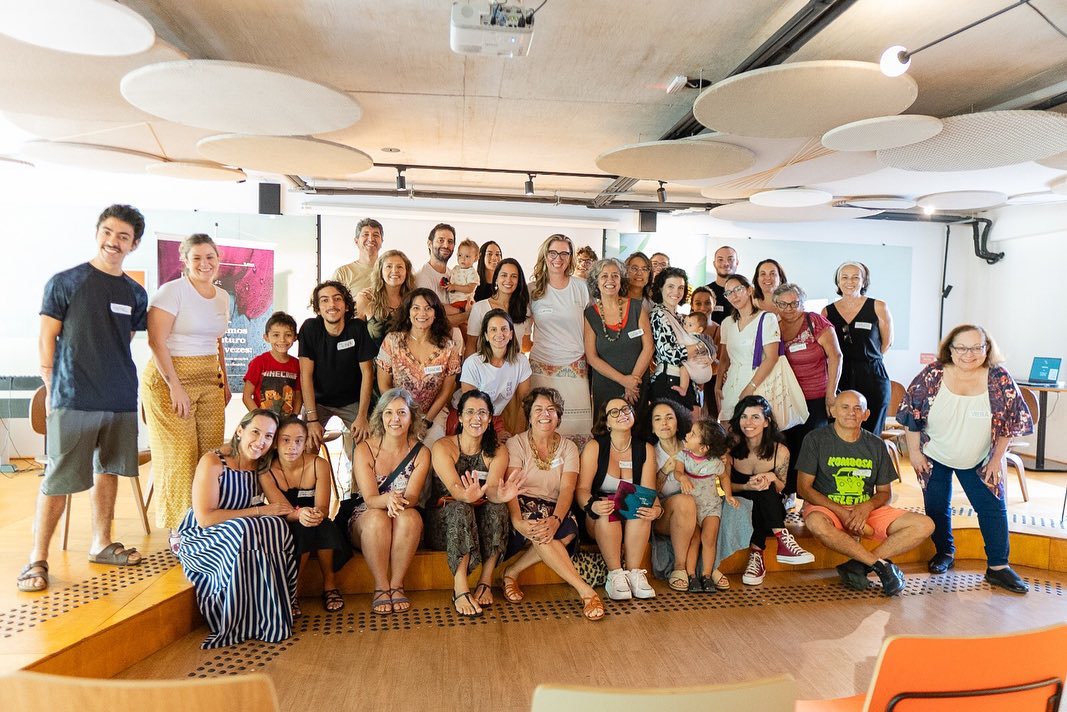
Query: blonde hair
[[377, 427], [540, 270], [189, 243], [379, 305], [468, 243]]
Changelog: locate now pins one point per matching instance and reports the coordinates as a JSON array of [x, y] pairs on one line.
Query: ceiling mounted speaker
[[676, 160], [988, 139], [97, 27], [1058, 161], [791, 198], [802, 98], [962, 200], [238, 98], [882, 132], [286, 155], [90, 156], [749, 212], [881, 202], [197, 170]]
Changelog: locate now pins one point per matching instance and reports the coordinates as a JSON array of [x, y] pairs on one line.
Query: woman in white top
[[183, 387], [558, 354], [497, 369], [511, 294], [738, 334]]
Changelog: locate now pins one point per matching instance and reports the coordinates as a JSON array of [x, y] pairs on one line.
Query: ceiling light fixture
[[661, 193], [401, 181], [528, 188], [896, 60]]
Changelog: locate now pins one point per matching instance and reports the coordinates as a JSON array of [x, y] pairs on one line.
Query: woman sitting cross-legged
[[303, 480], [390, 472], [612, 457], [237, 551], [542, 514], [468, 514]]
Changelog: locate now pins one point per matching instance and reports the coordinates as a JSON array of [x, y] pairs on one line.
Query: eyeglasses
[[554, 255], [787, 306], [481, 413], [961, 350], [639, 269], [616, 412], [735, 290]]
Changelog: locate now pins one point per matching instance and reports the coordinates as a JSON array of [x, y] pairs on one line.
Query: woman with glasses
[[639, 278], [815, 356], [557, 359], [489, 257], [497, 369], [618, 338], [864, 329], [612, 457], [511, 294], [739, 333], [961, 412], [468, 514], [768, 276]]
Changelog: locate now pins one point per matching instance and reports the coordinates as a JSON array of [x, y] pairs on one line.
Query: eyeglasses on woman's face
[[787, 306], [736, 290], [557, 254], [961, 350], [480, 413], [622, 410]]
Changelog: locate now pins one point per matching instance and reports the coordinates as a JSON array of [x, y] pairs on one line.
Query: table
[[1039, 457]]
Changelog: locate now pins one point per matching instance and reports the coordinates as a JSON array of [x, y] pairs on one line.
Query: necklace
[[610, 334], [545, 463], [621, 449]]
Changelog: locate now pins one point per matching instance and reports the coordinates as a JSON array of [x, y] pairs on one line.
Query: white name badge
[[980, 414], [797, 347], [342, 345], [305, 493], [637, 332], [543, 310], [433, 370], [626, 465], [257, 500], [718, 308], [482, 475], [121, 309], [863, 325], [558, 462]]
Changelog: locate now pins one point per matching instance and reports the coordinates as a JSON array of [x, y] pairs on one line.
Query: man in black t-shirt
[[725, 264], [845, 477], [336, 372]]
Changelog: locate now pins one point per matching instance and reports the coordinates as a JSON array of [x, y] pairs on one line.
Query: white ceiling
[[594, 80]]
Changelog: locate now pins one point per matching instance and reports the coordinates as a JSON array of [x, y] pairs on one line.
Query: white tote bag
[[781, 387]]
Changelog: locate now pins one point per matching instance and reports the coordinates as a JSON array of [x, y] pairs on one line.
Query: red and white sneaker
[[755, 571], [789, 551]]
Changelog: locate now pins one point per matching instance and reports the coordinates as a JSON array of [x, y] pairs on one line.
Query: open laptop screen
[[1045, 369]]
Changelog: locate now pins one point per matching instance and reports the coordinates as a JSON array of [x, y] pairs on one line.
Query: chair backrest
[[896, 396], [34, 690], [1030, 398], [914, 666], [775, 694], [37, 414]]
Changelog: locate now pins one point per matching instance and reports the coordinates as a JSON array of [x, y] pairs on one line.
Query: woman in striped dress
[[236, 550]]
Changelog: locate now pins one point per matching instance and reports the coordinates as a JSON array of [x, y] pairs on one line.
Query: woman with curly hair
[[390, 283]]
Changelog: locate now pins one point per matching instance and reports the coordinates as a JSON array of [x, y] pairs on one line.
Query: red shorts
[[878, 520], [461, 305]]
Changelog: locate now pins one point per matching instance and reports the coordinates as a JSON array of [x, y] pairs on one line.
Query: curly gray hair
[[594, 276], [790, 287]]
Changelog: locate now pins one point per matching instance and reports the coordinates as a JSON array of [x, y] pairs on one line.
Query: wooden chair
[[1017, 671], [774, 694], [38, 422], [324, 452], [893, 431], [1011, 457], [37, 691]]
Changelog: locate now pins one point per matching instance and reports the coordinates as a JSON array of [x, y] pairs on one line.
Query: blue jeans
[[992, 512]]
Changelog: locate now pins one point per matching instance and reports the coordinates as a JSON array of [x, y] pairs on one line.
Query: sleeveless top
[[740, 478], [637, 459], [617, 346], [861, 343], [296, 496], [465, 463]]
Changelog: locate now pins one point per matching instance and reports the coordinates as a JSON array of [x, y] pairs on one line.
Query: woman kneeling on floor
[[303, 480], [468, 514], [390, 471], [237, 551], [542, 515], [608, 460]]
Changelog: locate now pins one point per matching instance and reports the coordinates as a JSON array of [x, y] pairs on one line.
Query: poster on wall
[[246, 272], [687, 252]]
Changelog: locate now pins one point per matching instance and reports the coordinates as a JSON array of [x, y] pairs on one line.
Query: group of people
[[503, 418]]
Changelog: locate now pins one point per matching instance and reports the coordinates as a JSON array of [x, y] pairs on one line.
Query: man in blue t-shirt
[[88, 316]]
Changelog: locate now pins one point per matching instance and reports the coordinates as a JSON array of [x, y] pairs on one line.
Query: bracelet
[[46, 368], [312, 420], [589, 509], [553, 516], [753, 384]]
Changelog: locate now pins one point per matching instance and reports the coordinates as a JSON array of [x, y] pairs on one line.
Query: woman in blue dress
[[236, 550]]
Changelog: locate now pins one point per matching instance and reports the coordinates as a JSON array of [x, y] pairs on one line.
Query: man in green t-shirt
[[845, 477]]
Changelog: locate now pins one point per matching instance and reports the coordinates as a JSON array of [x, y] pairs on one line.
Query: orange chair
[[1017, 671]]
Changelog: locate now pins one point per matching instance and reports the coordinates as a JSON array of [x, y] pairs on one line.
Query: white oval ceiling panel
[[170, 140], [89, 156], [750, 212], [197, 170], [1057, 161], [882, 132], [825, 168], [962, 200], [802, 98], [791, 198], [676, 160], [238, 98], [987, 139], [51, 83], [881, 202], [286, 155], [88, 27]]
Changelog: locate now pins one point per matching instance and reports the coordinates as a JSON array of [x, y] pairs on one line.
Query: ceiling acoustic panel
[[89, 156], [962, 200], [750, 212], [286, 155], [1059, 186], [802, 99], [881, 202], [882, 132], [791, 198], [825, 168], [235, 97], [987, 139], [676, 160], [196, 170], [87, 27], [1057, 161]]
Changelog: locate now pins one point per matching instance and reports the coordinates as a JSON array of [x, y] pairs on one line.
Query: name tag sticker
[[432, 370], [626, 465], [558, 462], [121, 309], [636, 333], [718, 308], [482, 475], [257, 500], [864, 325], [305, 493], [978, 413], [348, 344], [797, 347], [543, 310]]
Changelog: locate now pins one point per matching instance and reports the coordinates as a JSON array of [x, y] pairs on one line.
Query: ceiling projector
[[491, 28]]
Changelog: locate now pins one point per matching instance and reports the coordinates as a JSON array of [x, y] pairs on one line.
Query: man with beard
[[726, 264], [434, 274], [358, 275]]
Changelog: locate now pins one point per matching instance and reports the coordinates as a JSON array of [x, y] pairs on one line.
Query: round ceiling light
[[881, 202], [104, 28], [791, 198], [962, 200]]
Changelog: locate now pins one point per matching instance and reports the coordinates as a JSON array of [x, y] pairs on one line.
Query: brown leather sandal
[[593, 608], [512, 592]]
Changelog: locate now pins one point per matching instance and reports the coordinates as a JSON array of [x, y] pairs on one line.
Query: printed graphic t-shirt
[[847, 473], [274, 383]]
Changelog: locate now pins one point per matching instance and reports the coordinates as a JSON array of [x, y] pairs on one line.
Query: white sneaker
[[790, 503], [789, 551], [617, 587], [638, 582], [755, 571]]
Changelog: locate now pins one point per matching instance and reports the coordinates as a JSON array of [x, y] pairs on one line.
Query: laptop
[[1045, 371]]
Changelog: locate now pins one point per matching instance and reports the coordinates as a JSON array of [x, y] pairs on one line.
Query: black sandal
[[467, 595], [478, 594], [379, 599], [331, 599]]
